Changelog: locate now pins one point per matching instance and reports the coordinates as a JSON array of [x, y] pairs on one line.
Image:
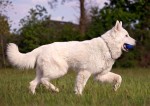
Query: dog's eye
[[126, 35]]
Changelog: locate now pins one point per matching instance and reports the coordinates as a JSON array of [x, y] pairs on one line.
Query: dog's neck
[[113, 50]]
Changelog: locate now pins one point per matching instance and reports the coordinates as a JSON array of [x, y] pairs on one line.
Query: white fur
[[90, 57]]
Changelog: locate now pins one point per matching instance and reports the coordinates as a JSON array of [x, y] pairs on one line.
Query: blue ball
[[129, 47]]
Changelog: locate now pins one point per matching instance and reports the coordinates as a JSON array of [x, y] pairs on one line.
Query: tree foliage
[[3, 5], [4, 30], [37, 29]]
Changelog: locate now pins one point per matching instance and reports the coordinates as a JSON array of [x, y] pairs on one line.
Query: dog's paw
[[116, 86], [77, 93], [55, 90], [31, 90], [118, 83]]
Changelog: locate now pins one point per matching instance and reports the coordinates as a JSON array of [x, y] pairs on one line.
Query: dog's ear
[[121, 23], [118, 26]]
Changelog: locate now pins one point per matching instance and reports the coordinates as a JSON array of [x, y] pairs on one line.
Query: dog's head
[[119, 37], [122, 37], [118, 40]]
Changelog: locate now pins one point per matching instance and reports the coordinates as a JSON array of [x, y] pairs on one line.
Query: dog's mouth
[[126, 47]]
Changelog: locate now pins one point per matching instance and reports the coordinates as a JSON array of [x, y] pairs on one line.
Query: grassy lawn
[[134, 91]]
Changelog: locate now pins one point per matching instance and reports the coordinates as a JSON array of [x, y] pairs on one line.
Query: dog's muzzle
[[127, 47]]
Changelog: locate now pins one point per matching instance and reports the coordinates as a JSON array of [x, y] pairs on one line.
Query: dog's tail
[[21, 60]]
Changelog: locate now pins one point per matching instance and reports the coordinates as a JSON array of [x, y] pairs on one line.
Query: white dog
[[90, 57]]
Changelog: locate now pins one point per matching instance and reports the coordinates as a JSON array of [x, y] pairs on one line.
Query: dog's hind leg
[[36, 81], [81, 81], [110, 77], [53, 69], [48, 85]]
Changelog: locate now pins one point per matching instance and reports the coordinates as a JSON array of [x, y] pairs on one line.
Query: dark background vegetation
[[37, 28]]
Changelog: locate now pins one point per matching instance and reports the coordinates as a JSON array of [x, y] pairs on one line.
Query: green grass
[[134, 91]]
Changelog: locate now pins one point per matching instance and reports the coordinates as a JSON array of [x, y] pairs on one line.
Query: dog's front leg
[[110, 77], [81, 80]]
